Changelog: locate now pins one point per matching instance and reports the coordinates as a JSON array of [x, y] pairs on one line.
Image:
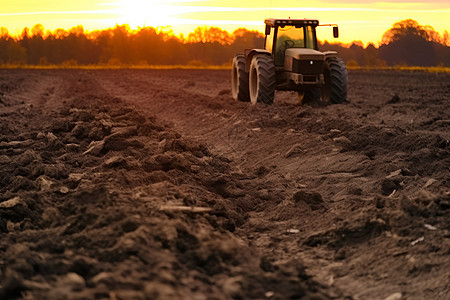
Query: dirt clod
[[313, 199]]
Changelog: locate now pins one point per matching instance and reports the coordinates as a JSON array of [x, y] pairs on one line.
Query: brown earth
[[155, 184]]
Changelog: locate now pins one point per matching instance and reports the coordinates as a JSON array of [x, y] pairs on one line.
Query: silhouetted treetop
[[4, 33], [210, 35], [409, 43], [410, 29]]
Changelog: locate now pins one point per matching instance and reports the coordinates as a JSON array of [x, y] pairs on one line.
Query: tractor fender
[[249, 56], [330, 54]]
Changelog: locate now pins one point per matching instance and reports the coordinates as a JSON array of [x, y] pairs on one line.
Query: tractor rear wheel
[[239, 79], [262, 79], [336, 81]]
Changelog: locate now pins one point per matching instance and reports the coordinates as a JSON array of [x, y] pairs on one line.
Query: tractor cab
[[282, 34]]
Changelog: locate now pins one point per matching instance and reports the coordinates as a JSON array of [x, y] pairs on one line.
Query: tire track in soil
[[85, 178], [349, 188]]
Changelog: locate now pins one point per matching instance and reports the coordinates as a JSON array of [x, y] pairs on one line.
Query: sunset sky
[[364, 20]]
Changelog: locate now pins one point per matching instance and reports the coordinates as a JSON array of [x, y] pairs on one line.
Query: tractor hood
[[304, 54], [304, 60]]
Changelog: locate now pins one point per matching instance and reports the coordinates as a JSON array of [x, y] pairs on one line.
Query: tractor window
[[291, 33], [288, 37], [269, 40], [310, 41]]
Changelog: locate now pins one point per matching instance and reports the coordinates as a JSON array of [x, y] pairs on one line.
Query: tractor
[[290, 61]]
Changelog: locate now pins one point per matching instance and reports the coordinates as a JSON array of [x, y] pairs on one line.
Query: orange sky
[[364, 20]]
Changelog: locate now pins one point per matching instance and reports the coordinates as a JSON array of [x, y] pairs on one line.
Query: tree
[[119, 43], [36, 44], [4, 33], [148, 46], [371, 57], [244, 38], [37, 30], [209, 35], [410, 43]]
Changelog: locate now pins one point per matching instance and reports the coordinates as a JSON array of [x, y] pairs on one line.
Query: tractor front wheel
[[239, 79], [336, 81], [262, 79]]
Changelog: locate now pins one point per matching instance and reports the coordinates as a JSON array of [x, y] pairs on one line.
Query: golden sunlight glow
[[139, 13], [364, 20]]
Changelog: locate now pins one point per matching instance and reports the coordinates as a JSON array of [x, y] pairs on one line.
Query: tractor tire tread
[[339, 80], [242, 80], [267, 79]]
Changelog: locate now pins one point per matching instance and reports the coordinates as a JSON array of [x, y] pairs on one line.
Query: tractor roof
[[292, 22]]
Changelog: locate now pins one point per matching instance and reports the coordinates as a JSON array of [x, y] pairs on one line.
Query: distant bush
[[351, 63], [43, 61], [69, 63], [196, 63], [114, 62]]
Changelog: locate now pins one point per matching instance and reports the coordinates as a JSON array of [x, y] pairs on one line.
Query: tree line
[[406, 43], [120, 45]]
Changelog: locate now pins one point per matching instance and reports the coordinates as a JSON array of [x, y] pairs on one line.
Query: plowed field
[[155, 184]]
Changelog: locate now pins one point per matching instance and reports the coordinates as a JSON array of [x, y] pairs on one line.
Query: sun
[[139, 13]]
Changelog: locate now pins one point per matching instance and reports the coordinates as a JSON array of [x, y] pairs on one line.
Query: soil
[[155, 184]]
